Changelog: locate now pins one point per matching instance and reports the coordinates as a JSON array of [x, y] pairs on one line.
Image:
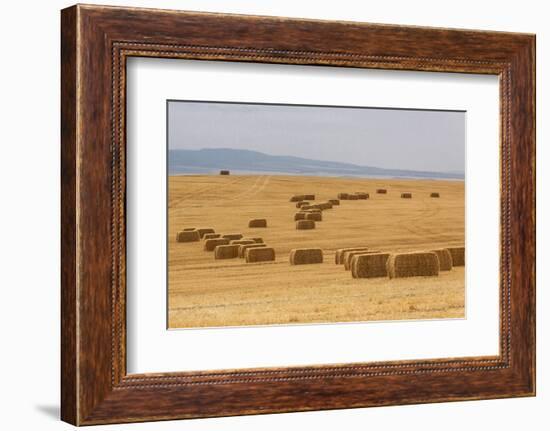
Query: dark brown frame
[[96, 41]]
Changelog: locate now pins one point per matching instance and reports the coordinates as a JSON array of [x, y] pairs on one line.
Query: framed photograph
[[264, 215]]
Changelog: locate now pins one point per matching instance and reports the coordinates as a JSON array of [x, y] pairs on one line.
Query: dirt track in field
[[206, 292]]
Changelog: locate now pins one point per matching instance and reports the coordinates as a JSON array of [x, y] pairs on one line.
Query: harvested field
[[305, 256], [207, 292]]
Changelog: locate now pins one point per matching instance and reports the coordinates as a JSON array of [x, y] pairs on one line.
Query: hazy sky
[[385, 138]]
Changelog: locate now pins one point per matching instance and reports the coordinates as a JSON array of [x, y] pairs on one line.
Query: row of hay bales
[[364, 262], [230, 245], [310, 213]]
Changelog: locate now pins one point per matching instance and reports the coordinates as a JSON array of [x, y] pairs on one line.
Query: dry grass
[[304, 256], [369, 265], [415, 264], [204, 292]]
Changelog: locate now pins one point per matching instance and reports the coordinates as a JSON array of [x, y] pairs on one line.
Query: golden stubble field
[[204, 292]]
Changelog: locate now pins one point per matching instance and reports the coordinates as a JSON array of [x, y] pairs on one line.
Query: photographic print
[[297, 214]]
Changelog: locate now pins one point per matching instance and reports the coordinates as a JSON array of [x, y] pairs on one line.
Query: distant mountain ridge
[[211, 160]]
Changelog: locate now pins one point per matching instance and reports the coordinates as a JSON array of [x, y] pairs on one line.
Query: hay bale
[[343, 196], [334, 202], [313, 209], [242, 241], [413, 264], [348, 256], [257, 239], [434, 195], [259, 254], [457, 255], [324, 206], [305, 256], [300, 216], [381, 191], [211, 244], [338, 256], [224, 172], [301, 204], [445, 259], [309, 197], [244, 247], [257, 222], [188, 236], [298, 198], [204, 230], [189, 228], [211, 235], [232, 236], [305, 224], [226, 251], [362, 195], [314, 216], [406, 195], [352, 197], [369, 265]]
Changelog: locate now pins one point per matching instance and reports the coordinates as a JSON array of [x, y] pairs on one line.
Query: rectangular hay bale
[[211, 244], [445, 259], [298, 198], [305, 256], [369, 265], [348, 256], [242, 241], [211, 236], [309, 197], [406, 195], [381, 191], [343, 196], [334, 201], [204, 230], [259, 254], [305, 224], [314, 216], [230, 251], [457, 254], [188, 236], [232, 236], [415, 264], [257, 222], [339, 255], [244, 247]]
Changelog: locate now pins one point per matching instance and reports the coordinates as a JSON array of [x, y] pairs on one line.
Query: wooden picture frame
[[95, 43]]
